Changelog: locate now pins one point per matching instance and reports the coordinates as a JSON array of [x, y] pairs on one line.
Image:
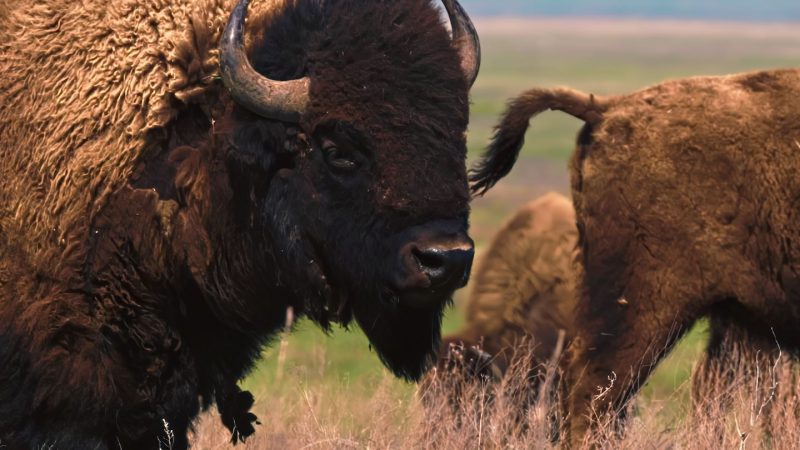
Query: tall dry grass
[[746, 400]]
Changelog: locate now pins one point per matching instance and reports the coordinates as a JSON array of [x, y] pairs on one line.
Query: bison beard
[[154, 227], [405, 339]]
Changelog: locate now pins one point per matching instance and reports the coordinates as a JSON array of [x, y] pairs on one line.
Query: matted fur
[[119, 72], [686, 196], [153, 233]]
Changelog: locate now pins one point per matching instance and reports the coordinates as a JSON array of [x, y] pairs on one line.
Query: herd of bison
[[176, 174]]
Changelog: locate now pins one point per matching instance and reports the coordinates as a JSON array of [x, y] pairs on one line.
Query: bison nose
[[445, 267], [431, 270]]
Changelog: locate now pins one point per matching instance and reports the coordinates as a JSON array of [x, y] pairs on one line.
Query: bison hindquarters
[[686, 202]]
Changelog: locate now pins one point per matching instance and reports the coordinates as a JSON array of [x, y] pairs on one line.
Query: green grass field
[[599, 57]]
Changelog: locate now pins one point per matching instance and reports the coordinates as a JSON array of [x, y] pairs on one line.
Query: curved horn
[[281, 100], [466, 38]]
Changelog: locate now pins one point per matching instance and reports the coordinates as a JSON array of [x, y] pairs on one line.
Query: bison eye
[[339, 159]]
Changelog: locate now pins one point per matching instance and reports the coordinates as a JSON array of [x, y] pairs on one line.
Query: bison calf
[[523, 289], [687, 198]]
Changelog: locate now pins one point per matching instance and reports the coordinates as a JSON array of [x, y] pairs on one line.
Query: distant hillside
[[745, 10]]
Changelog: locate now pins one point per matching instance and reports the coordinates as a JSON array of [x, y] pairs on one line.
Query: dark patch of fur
[[760, 81]]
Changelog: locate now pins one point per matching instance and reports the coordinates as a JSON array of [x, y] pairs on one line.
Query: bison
[[687, 202], [172, 181], [522, 289]]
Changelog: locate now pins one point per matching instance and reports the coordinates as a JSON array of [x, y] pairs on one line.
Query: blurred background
[[604, 47]]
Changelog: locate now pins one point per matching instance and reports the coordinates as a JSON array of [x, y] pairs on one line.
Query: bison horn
[[465, 36], [281, 100], [287, 100]]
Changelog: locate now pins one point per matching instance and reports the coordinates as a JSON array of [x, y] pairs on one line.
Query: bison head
[[346, 137]]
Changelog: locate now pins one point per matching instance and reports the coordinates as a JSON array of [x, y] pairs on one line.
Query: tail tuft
[[509, 134]]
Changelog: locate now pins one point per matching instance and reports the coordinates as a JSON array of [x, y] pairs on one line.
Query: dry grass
[[749, 401]]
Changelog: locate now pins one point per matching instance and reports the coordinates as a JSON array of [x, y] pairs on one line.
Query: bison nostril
[[429, 260], [443, 266]]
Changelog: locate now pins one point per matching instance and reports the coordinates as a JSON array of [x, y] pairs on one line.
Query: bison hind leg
[[739, 354], [621, 339]]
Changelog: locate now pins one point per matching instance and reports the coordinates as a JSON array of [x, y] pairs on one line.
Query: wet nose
[[445, 266], [432, 267], [433, 260]]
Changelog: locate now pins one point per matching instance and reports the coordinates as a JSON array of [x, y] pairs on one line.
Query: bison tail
[[509, 134]]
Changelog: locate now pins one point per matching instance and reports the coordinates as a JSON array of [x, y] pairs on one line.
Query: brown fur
[[523, 287], [153, 233], [686, 195], [131, 92]]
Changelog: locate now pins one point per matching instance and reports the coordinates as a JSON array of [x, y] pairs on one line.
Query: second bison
[[522, 289], [687, 201]]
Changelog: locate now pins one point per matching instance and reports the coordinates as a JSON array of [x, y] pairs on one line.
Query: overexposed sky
[[740, 10]]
